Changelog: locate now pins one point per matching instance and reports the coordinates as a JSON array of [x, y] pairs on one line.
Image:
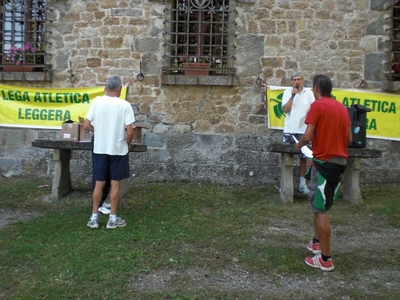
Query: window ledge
[[26, 76], [210, 80], [393, 76]]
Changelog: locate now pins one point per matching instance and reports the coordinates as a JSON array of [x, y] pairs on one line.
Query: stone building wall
[[214, 133]]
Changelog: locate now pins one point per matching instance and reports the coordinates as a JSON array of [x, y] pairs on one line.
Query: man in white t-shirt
[[110, 118], [296, 102]]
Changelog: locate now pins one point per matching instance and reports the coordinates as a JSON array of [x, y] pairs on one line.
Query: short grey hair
[[296, 74], [113, 84]]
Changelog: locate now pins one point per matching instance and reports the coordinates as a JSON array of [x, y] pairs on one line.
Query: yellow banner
[[45, 108], [383, 121]]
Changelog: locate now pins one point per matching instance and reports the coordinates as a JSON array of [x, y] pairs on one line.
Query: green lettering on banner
[[371, 124], [15, 95], [385, 105], [374, 105], [392, 108], [355, 101], [76, 98], [37, 98], [380, 106], [44, 114], [345, 102], [85, 98], [350, 101]]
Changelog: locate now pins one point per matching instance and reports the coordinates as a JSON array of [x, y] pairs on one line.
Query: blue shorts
[[287, 138], [114, 166]]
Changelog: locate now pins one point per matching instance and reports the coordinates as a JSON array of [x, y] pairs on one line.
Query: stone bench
[[62, 156], [351, 179]]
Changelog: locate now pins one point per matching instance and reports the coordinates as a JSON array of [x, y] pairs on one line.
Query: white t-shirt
[[109, 116], [294, 120]]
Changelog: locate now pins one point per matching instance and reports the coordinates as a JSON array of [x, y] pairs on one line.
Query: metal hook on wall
[[140, 76], [362, 84]]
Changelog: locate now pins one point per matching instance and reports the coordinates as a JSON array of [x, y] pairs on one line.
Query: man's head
[[113, 86], [297, 79], [322, 86]]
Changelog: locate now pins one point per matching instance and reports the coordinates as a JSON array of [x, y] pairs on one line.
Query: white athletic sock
[[94, 217], [113, 218], [302, 180]]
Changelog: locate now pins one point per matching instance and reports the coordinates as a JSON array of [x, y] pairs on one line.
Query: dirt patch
[[282, 286], [8, 216], [346, 240]]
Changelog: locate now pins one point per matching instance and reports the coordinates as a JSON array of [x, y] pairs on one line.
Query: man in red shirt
[[328, 128]]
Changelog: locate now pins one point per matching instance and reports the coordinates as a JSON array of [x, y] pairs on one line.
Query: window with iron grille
[[395, 43], [23, 34], [199, 37]]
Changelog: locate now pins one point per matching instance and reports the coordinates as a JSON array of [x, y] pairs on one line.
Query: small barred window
[[23, 35], [199, 37], [395, 44]]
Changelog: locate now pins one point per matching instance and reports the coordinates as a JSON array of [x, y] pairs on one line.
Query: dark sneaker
[[117, 223], [93, 223], [314, 248], [317, 262]]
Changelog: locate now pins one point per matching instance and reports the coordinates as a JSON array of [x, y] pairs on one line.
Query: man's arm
[[87, 125], [129, 134], [306, 138], [288, 105], [350, 136]]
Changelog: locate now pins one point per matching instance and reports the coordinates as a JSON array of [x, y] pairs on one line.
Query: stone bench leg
[[287, 165], [351, 181], [62, 177]]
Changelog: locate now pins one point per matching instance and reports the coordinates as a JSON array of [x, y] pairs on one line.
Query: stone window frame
[[172, 73], [24, 23], [394, 65]]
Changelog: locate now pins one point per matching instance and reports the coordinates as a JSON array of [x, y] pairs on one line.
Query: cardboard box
[[84, 135], [70, 131], [74, 132]]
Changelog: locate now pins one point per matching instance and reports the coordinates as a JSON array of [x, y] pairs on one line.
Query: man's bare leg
[[303, 167], [323, 231], [96, 196], [114, 196]]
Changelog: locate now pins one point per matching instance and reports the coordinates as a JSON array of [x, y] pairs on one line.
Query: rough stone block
[[147, 44], [181, 141], [155, 140], [379, 4], [207, 141], [374, 66]]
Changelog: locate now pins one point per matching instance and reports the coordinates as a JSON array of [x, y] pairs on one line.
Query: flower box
[[19, 59], [196, 68], [20, 68]]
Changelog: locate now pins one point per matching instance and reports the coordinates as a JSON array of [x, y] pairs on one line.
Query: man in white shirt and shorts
[[296, 102], [110, 118]]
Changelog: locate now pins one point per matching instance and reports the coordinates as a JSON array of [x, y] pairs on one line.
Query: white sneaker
[[104, 210], [117, 223], [303, 189], [106, 204], [93, 223]]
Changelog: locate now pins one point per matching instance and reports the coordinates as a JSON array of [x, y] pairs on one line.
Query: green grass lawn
[[195, 241]]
